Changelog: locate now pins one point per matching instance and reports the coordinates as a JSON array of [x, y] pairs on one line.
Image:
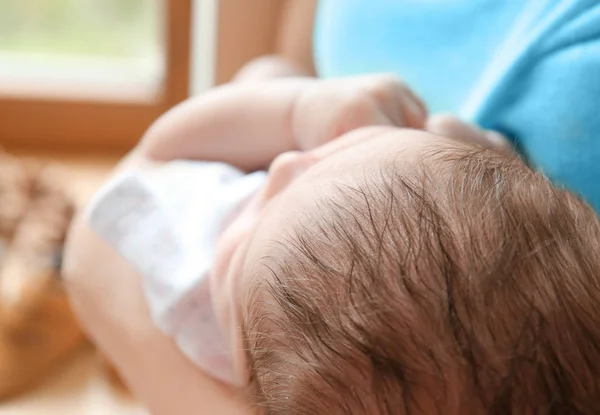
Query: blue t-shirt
[[529, 69]]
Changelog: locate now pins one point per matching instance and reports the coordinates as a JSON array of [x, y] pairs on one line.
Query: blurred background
[[78, 75], [112, 42], [80, 81]]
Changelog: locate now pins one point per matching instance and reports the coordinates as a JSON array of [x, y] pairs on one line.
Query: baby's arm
[[246, 125], [249, 124]]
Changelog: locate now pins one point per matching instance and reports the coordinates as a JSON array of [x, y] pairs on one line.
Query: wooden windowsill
[[108, 92]]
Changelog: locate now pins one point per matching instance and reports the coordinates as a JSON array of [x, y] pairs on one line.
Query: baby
[[373, 269]]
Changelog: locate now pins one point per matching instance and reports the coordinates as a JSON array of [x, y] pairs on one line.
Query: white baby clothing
[[165, 221]]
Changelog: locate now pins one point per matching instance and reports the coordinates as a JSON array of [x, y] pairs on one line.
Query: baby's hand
[[330, 108]]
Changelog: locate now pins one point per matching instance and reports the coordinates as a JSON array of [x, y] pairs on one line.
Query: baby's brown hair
[[472, 288]]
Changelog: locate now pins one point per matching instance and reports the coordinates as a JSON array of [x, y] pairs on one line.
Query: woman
[[523, 70]]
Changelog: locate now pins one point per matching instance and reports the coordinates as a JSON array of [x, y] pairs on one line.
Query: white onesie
[[166, 221]]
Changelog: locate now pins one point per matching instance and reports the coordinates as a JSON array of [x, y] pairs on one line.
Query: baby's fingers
[[398, 103], [414, 110]]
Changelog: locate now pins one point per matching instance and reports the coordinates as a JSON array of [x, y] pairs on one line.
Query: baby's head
[[394, 271]]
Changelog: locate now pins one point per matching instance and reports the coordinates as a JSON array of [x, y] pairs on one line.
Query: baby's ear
[[453, 127]]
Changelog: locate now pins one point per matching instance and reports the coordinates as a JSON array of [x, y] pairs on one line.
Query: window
[[105, 50], [90, 73]]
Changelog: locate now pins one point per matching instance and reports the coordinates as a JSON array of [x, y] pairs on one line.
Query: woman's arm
[[107, 296], [295, 37], [294, 49], [287, 52]]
